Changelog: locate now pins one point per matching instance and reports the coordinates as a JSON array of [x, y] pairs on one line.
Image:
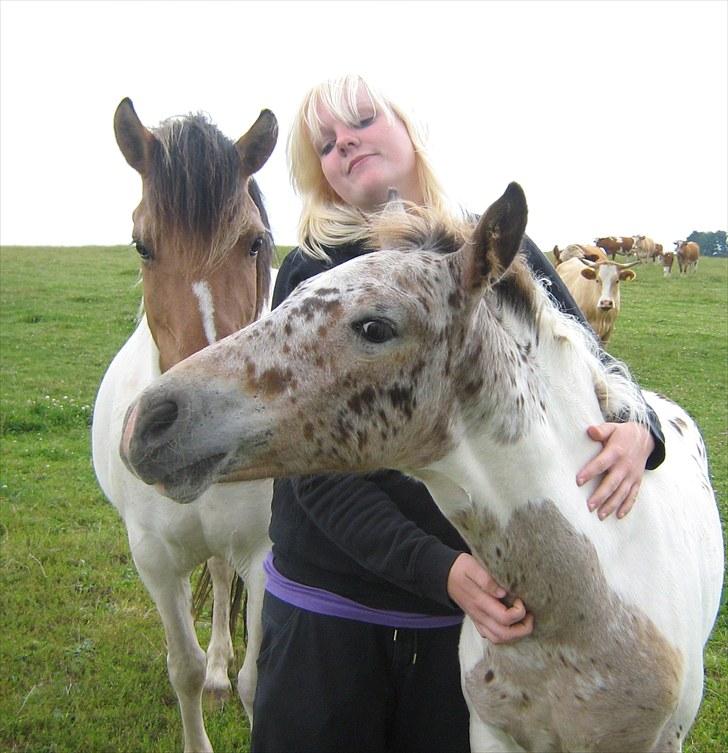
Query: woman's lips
[[357, 161]]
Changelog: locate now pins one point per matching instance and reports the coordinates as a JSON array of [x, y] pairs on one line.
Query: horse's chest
[[595, 670]]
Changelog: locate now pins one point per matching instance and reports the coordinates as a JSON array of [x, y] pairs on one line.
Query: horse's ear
[[496, 239], [135, 141], [257, 144]]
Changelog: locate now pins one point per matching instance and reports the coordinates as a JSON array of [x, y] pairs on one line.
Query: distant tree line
[[711, 244]]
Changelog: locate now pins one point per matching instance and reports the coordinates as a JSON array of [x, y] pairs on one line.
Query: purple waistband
[[325, 602]]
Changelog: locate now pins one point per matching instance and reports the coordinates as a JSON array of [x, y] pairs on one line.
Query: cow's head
[[608, 275]]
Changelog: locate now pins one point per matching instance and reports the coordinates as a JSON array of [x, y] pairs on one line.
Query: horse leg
[[669, 741], [678, 725], [172, 595], [220, 651], [248, 675]]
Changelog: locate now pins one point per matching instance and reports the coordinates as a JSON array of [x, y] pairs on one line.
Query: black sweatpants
[[333, 685]]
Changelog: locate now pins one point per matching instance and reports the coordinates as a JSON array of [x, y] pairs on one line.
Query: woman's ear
[[496, 239]]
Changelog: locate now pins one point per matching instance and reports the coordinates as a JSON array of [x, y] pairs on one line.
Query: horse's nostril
[[159, 419]]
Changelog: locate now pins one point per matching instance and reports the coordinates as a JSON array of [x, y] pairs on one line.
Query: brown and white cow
[[578, 251], [688, 253], [667, 259], [616, 244], [595, 287]]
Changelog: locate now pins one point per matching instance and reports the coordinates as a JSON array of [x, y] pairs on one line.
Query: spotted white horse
[[457, 368], [205, 249]]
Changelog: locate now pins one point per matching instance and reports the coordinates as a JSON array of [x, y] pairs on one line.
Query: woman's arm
[[357, 515]]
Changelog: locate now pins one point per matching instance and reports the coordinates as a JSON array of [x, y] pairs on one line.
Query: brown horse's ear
[[496, 239], [257, 144], [135, 141]]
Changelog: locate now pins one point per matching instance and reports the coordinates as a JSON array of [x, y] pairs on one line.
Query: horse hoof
[[216, 696]]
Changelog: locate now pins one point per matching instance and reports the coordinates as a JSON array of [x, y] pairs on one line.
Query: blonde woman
[[368, 582]]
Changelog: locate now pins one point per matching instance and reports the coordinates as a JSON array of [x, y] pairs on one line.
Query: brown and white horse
[[457, 368], [205, 248]]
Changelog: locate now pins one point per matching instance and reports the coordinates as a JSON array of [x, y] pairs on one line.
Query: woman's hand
[[622, 459], [473, 589]]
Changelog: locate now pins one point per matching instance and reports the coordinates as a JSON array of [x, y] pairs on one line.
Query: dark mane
[[194, 184], [518, 289]]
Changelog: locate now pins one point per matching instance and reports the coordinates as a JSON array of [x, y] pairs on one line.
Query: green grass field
[[81, 645]]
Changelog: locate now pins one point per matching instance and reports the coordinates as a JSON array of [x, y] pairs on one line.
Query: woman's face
[[362, 162]]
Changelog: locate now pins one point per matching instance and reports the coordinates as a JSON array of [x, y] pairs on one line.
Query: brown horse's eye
[[144, 253], [257, 245]]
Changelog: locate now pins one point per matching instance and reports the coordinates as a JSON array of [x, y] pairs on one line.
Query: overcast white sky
[[612, 115]]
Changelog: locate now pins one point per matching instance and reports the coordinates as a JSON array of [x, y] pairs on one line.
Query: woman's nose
[[346, 140]]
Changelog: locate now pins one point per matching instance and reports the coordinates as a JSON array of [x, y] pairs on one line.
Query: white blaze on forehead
[[608, 277], [207, 309]]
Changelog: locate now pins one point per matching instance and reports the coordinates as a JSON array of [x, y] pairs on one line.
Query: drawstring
[[414, 653]]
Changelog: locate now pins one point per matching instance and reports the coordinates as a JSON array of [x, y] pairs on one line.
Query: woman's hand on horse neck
[[473, 589], [625, 449]]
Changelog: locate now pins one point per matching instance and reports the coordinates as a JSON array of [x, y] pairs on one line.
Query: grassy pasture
[[81, 645]]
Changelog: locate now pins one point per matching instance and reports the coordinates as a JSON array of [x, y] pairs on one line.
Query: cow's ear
[[627, 274], [496, 239], [589, 273]]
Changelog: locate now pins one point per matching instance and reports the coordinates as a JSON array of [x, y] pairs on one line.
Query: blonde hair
[[327, 220]]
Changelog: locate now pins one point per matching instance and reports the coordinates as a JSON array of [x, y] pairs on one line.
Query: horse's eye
[[257, 245], [144, 253], [375, 330]]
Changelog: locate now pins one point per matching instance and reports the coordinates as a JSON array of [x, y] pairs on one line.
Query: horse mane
[[194, 184], [409, 227], [619, 396]]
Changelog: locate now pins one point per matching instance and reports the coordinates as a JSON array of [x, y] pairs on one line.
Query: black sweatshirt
[[377, 538]]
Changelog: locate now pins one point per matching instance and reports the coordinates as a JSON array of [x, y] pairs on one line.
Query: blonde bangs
[[341, 98]]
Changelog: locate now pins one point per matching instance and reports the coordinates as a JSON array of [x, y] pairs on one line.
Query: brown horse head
[[200, 229]]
